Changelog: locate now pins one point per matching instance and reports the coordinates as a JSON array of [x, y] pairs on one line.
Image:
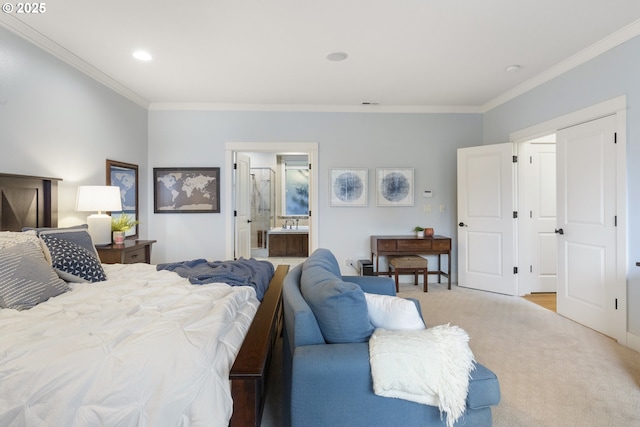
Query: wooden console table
[[412, 245]]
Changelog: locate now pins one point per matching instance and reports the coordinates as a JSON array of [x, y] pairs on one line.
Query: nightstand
[[130, 252]]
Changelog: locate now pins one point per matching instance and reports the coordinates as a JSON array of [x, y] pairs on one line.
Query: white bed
[[137, 347], [114, 331]]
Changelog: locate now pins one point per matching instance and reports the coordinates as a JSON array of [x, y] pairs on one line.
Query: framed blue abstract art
[[394, 186], [348, 187]]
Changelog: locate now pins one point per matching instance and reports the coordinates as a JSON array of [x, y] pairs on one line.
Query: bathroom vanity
[[293, 242]]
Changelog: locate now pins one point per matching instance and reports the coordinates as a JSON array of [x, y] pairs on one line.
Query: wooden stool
[[411, 264]]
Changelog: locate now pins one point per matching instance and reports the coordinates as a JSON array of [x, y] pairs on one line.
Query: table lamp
[[99, 198]]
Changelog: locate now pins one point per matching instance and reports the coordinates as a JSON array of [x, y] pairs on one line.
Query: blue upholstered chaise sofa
[[330, 384]]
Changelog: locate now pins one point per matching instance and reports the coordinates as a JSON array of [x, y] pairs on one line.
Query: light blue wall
[[612, 74], [56, 121], [426, 142]]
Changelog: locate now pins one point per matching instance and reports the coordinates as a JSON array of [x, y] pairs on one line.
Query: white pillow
[[393, 313]]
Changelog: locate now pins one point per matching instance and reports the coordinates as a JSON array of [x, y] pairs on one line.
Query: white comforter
[[145, 348]]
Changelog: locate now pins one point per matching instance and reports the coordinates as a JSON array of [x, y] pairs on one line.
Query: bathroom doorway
[[271, 149]]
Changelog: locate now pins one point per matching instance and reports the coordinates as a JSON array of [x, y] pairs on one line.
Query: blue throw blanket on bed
[[241, 272]]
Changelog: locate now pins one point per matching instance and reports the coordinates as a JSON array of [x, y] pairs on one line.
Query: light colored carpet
[[552, 371]]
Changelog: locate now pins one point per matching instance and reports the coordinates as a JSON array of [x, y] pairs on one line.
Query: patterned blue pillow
[[73, 262]]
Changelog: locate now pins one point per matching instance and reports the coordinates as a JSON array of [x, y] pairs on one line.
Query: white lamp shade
[[99, 198]]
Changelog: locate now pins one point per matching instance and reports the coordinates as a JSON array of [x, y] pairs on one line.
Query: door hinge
[[616, 303], [515, 159], [235, 166], [235, 213], [615, 137], [615, 221], [309, 166], [515, 214], [515, 270]]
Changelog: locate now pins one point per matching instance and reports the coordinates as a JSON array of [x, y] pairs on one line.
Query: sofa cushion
[[324, 258], [340, 307]]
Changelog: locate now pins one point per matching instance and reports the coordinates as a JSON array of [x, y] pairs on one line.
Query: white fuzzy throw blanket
[[429, 366]]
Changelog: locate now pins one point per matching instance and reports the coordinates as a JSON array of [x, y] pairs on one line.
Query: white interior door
[[486, 247], [586, 173], [540, 213], [243, 207]]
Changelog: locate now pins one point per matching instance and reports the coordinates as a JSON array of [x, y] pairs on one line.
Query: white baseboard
[[633, 341]]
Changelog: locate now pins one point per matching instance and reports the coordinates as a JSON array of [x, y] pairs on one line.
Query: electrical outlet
[[427, 208]]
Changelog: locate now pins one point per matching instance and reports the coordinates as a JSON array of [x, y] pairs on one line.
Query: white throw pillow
[[393, 313]]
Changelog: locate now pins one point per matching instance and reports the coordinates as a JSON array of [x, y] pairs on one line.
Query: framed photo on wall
[[394, 186], [125, 176], [348, 187], [186, 190]]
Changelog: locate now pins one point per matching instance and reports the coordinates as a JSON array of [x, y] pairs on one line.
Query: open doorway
[[537, 248], [591, 236], [279, 199], [271, 149]]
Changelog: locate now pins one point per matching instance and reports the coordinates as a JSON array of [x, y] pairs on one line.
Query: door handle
[[249, 220], [559, 231], [462, 224]]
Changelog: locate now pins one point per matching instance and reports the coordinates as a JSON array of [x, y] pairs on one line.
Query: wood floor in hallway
[[546, 300]]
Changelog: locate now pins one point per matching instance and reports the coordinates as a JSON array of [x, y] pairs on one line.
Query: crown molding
[[31, 35], [400, 109], [625, 34]]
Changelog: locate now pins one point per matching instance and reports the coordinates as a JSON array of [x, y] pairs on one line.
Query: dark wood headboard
[[28, 201]]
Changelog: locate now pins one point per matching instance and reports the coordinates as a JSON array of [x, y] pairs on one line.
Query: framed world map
[[186, 190]]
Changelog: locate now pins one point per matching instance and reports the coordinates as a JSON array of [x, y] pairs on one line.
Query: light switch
[[427, 208], [443, 208]]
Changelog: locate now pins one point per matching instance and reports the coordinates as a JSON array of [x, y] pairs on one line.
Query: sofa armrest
[[381, 285]]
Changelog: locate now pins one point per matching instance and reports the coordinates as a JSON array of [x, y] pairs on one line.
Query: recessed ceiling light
[[337, 56], [512, 68], [142, 55]]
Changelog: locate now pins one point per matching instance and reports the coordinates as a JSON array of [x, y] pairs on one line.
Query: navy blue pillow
[[78, 234], [72, 262]]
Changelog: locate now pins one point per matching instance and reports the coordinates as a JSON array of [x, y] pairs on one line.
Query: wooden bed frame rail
[[249, 373]]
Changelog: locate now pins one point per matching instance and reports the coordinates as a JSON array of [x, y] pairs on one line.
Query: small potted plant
[[419, 231], [120, 225]]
